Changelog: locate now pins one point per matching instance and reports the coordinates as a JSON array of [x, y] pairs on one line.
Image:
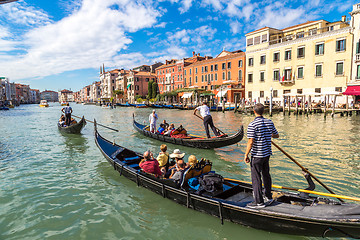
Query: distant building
[[95, 92], [22, 93], [7, 90], [223, 75], [66, 96], [138, 84], [170, 76], [50, 96], [34, 96], [108, 84], [121, 85]]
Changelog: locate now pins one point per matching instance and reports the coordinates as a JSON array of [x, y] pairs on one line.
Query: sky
[[61, 44]]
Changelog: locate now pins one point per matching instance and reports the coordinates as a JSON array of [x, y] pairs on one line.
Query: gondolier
[[205, 114], [259, 133], [152, 119], [67, 110]]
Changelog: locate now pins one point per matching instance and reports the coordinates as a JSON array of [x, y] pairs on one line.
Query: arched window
[[229, 75], [240, 75]]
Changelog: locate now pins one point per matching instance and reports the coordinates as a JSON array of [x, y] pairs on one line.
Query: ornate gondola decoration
[[74, 128], [193, 141], [289, 213]]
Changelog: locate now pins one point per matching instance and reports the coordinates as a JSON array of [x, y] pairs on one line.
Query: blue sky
[[57, 44]]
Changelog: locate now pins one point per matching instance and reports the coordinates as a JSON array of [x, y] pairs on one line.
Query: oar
[[214, 126], [304, 191], [304, 169], [98, 124]]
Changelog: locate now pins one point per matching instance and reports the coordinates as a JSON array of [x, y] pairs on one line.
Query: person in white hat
[[178, 155], [152, 119]]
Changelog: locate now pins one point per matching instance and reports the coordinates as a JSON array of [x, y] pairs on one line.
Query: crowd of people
[[165, 128], [161, 165]]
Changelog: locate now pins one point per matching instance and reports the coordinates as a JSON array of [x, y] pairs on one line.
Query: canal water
[[56, 186]]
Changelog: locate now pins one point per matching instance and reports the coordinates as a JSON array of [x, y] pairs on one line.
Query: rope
[[339, 230]]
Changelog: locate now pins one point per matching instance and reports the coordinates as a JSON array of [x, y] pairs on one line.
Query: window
[[300, 34], [276, 57], [276, 75], [250, 42], [215, 76], [331, 28], [300, 73], [190, 80], [215, 67], [299, 91], [212, 68], [319, 49], [146, 79], [202, 69], [240, 63], [185, 82], [224, 76], [190, 71], [286, 91], [251, 61], [339, 69], [287, 74], [212, 77], [205, 78], [250, 94], [136, 87], [264, 38], [261, 94], [256, 40], [223, 66], [263, 59], [229, 75], [202, 78], [318, 90], [229, 65], [341, 45], [262, 76], [195, 70], [240, 75], [196, 79], [184, 72], [358, 72], [301, 52], [313, 31], [338, 89], [318, 70], [174, 70], [288, 54], [250, 77], [275, 93]]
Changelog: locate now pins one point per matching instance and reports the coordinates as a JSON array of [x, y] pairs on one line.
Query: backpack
[[211, 182]]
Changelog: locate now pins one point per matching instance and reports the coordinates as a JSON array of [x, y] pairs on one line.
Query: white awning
[[221, 93], [187, 95]]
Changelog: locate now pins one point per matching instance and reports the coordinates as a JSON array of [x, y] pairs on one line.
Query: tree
[[150, 93], [154, 89]]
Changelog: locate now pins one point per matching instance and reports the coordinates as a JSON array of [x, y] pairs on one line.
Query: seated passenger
[[177, 155], [62, 120], [170, 130], [191, 161], [178, 171], [160, 130], [163, 159], [150, 165]]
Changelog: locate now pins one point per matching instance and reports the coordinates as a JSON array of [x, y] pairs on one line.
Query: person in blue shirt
[[259, 132], [67, 110]]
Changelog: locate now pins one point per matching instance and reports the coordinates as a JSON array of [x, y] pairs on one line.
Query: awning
[[221, 93], [128, 86], [352, 90], [206, 94], [187, 95]]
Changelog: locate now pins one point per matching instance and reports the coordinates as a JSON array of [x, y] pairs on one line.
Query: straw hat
[[177, 154], [192, 160]]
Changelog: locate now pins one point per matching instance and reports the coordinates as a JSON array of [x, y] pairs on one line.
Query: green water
[[56, 186]]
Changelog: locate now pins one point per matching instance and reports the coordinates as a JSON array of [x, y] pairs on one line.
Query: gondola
[[75, 128], [312, 216], [191, 140]]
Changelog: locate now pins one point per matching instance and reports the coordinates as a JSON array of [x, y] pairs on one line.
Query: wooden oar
[[303, 190], [214, 126], [97, 123], [304, 169]]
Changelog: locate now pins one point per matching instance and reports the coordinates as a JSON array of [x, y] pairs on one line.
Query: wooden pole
[[333, 107], [284, 105], [325, 106], [347, 105], [289, 103], [236, 102], [297, 105]]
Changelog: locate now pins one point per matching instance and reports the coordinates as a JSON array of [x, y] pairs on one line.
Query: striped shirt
[[261, 130]]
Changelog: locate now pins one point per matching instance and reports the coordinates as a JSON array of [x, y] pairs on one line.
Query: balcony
[[357, 57], [287, 81]]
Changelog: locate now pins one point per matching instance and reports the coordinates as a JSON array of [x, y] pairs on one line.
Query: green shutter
[[357, 47]]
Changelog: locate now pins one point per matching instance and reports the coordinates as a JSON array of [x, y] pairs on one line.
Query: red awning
[[352, 90]]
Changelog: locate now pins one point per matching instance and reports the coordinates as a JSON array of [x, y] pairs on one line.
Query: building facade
[[7, 90], [66, 96], [34, 96], [354, 83], [95, 92], [122, 85], [223, 75], [108, 83], [309, 58], [50, 96], [22, 93], [137, 84]]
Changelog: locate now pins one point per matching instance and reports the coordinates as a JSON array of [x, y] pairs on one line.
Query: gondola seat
[[194, 171]]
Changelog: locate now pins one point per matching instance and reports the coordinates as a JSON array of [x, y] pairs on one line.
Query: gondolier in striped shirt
[[67, 110], [260, 131]]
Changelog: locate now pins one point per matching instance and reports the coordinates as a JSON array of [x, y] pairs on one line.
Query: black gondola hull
[[73, 129], [204, 143], [237, 213]]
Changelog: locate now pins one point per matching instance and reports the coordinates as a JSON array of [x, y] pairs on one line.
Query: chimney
[[193, 53], [198, 54], [343, 18]]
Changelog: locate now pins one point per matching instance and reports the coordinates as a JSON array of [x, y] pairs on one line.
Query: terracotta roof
[[258, 30], [217, 59], [298, 25]]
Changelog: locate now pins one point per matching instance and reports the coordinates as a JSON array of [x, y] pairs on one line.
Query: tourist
[[67, 110], [177, 155], [205, 114], [259, 134], [62, 120], [152, 119], [170, 130], [163, 159], [150, 165], [178, 171], [164, 124], [192, 161]]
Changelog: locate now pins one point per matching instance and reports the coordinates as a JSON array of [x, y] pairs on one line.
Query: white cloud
[[235, 27], [216, 4], [179, 36], [186, 4], [92, 35], [21, 13]]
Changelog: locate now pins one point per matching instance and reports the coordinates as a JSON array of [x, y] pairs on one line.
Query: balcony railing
[[287, 81]]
